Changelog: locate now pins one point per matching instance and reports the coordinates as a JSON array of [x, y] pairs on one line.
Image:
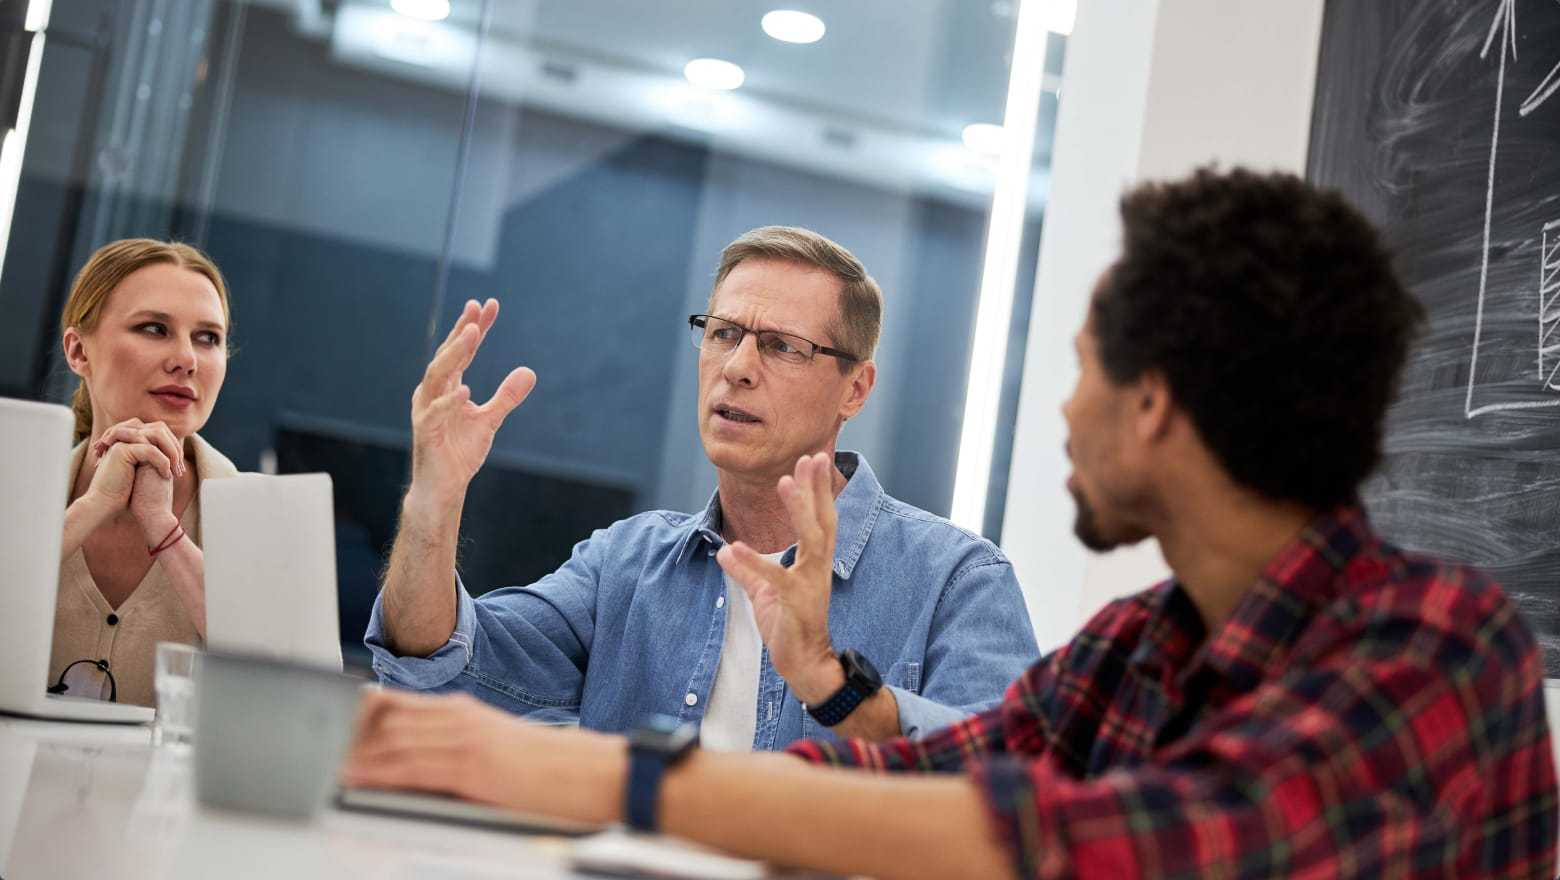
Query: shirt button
[[113, 620], [720, 601], [691, 699]]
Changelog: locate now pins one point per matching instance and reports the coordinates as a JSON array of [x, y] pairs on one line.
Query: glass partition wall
[[360, 168]]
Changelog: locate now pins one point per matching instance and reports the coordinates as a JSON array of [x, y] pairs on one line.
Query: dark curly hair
[[1272, 310]]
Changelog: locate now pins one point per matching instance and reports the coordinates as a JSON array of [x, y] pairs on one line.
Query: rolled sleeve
[[919, 716], [437, 669]]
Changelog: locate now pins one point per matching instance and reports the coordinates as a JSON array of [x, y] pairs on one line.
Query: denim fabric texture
[[632, 624]]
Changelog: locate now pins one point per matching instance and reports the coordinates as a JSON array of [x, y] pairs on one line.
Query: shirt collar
[[857, 508], [1253, 644]]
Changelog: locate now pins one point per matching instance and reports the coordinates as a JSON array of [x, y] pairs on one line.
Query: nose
[[741, 367], [182, 358]]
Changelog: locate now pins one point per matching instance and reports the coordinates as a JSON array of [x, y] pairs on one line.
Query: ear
[[862, 378], [1154, 405], [75, 352]]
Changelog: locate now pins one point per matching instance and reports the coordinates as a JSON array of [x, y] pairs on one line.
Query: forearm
[[783, 811], [82, 518], [184, 564], [772, 807], [419, 591]]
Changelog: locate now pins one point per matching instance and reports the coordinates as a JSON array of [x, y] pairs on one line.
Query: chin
[[1099, 533]]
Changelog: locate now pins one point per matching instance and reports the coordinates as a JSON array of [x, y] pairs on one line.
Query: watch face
[[664, 735], [860, 672]]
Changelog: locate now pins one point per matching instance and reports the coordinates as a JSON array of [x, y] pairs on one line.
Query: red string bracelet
[[173, 537]]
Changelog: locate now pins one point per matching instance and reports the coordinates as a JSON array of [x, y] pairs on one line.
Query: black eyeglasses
[[60, 687], [721, 336]]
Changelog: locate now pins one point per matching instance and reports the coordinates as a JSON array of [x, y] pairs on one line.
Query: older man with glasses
[[920, 624]]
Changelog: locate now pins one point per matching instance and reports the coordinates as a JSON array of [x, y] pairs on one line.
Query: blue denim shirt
[[632, 624]]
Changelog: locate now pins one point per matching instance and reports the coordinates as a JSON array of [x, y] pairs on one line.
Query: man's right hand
[[451, 435]]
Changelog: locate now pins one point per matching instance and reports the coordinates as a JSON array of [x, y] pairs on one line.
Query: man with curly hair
[[1299, 698]]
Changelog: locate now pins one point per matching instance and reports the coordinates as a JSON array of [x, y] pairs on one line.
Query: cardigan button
[[113, 620]]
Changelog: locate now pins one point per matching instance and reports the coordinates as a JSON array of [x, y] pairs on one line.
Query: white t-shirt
[[731, 718]]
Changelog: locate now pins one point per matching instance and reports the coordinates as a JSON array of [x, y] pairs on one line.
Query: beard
[[1086, 525]]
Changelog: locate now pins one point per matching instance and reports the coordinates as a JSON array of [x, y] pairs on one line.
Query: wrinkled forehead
[[779, 295]]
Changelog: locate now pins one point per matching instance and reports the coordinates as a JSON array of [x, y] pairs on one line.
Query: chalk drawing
[[1503, 29], [1549, 304]]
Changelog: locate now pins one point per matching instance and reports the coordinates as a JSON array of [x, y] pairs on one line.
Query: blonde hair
[[105, 269], [860, 317]]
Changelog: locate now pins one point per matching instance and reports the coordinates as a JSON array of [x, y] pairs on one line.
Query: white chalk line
[[1525, 404], [1502, 16], [1545, 90]]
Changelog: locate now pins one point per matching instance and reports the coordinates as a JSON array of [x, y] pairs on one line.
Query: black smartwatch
[[861, 681], [661, 743]]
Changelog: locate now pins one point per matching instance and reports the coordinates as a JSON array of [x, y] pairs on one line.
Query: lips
[[735, 414], [174, 395]]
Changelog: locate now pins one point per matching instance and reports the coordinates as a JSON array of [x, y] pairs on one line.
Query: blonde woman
[[146, 330]]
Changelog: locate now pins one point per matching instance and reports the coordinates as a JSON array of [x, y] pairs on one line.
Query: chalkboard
[[1441, 120]]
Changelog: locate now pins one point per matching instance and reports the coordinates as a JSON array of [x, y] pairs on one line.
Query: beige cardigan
[[152, 613]]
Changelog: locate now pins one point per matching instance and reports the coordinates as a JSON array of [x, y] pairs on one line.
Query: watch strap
[[645, 770], [838, 707]]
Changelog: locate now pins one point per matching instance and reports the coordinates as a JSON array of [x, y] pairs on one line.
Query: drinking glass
[[174, 682]]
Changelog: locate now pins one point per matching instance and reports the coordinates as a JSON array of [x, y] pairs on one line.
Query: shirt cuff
[[438, 668], [919, 716]]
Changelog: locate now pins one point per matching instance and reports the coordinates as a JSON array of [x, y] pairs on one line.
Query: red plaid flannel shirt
[[1362, 713]]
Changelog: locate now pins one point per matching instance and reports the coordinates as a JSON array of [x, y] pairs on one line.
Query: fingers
[[156, 434], [404, 740], [487, 315], [468, 315], [823, 494], [451, 359], [752, 571], [808, 496], [513, 391], [137, 454]]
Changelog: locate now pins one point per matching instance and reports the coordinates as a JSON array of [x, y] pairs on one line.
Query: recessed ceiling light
[[426, 10], [713, 73], [984, 138], [792, 26]]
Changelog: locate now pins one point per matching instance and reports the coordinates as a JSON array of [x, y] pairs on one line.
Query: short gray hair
[[860, 317]]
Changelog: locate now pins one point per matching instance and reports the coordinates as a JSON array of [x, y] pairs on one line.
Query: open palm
[[451, 433], [791, 605]]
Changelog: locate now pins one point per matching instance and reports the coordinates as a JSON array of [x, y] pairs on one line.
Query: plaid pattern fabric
[[1362, 713]]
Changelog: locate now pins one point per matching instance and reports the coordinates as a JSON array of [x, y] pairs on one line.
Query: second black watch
[[660, 744], [861, 681]]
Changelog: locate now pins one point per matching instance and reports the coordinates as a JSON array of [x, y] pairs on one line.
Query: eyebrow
[[168, 319], [795, 333]]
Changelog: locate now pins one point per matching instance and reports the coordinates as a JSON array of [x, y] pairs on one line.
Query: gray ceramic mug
[[270, 735]]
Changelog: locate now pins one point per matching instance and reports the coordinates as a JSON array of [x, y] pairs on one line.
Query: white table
[[95, 801]]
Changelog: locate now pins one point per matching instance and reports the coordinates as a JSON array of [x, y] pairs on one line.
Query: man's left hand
[[791, 605]]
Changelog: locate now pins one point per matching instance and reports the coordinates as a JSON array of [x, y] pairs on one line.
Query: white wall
[[1152, 88]]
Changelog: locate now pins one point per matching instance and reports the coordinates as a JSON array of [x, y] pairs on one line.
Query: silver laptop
[[34, 477], [270, 555]]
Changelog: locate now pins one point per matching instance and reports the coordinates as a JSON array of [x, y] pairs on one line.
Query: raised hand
[[451, 434], [791, 605]]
